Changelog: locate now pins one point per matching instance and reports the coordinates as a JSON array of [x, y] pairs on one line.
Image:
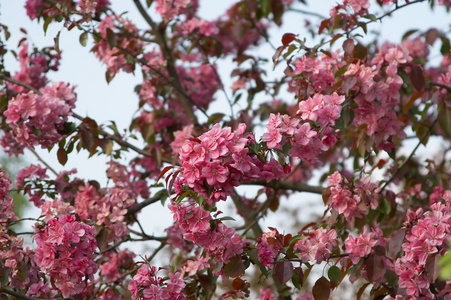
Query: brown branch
[[117, 139], [22, 84], [248, 214], [183, 99], [24, 297], [145, 203], [288, 185], [441, 85]]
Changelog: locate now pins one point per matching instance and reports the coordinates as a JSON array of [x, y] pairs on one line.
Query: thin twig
[[423, 138], [132, 210], [22, 84], [288, 185], [42, 161]]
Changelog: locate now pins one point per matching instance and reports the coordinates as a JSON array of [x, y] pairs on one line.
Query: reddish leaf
[[288, 71], [62, 156], [395, 242], [234, 268], [323, 25], [277, 9], [238, 284], [321, 289], [361, 290], [165, 170], [431, 35], [335, 38], [431, 268], [375, 267], [288, 38], [284, 271], [348, 46], [417, 77], [326, 195], [276, 55]]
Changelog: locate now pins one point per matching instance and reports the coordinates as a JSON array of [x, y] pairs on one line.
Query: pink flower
[[215, 173]]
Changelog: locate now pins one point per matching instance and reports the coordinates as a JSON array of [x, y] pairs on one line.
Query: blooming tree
[[341, 109]]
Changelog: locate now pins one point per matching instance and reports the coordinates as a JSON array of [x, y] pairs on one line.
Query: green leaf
[[370, 17], [181, 197], [296, 238], [445, 45], [341, 71], [215, 118], [47, 21], [385, 207], [334, 274], [254, 257], [226, 218], [83, 39]]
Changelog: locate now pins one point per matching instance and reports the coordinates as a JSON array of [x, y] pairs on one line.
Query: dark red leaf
[[431, 268], [165, 170], [62, 156], [323, 25], [348, 46], [417, 77], [238, 284], [375, 267], [288, 71], [431, 35], [284, 271], [321, 289], [326, 195], [395, 241], [288, 38], [276, 55]]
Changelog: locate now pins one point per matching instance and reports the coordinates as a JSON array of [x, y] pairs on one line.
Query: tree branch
[[183, 99], [441, 85], [145, 203], [22, 84], [288, 185]]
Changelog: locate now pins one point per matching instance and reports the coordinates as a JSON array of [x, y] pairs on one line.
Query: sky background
[[117, 101]]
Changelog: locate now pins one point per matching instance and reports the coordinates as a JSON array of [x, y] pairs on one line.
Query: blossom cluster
[[317, 245], [38, 119], [146, 285], [108, 210], [170, 9], [32, 69], [220, 242], [362, 245], [352, 201], [65, 252], [269, 247], [37, 8], [219, 160], [427, 235], [201, 83], [117, 265], [124, 38]]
